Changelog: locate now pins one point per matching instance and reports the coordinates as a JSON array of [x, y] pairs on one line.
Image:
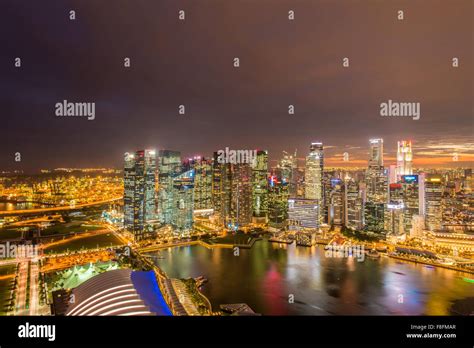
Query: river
[[280, 279]]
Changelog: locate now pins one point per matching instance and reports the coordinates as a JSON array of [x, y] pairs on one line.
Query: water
[[268, 276]]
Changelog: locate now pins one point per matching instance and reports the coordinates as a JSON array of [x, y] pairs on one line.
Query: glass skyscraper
[[139, 191]]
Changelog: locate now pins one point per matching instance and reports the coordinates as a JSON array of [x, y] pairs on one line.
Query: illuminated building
[[314, 174], [288, 170], [303, 214], [404, 158], [336, 202], [139, 191], [169, 165], [278, 194], [417, 226], [221, 188], [241, 195], [392, 174], [232, 193], [376, 188], [183, 202], [374, 217], [411, 199], [394, 219], [353, 205], [202, 181], [260, 187], [433, 202]]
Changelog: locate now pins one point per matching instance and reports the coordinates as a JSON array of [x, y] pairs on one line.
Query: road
[[63, 208], [21, 292]]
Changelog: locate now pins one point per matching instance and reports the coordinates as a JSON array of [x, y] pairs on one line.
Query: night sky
[[282, 62]]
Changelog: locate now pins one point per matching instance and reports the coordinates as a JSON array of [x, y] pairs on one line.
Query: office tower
[[303, 214], [241, 195], [374, 217], [202, 181], [139, 192], [376, 178], [404, 158], [417, 226], [314, 174], [376, 188], [260, 187], [336, 202], [278, 194], [169, 165], [421, 193], [392, 174], [411, 199], [288, 170], [394, 213], [433, 202], [183, 201], [353, 205], [221, 189]]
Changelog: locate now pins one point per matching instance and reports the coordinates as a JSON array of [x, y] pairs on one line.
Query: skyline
[[282, 63]]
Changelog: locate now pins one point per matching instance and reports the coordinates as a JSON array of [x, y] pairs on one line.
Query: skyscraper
[[183, 201], [303, 214], [404, 158], [260, 187], [202, 181], [353, 205], [376, 188], [169, 165], [411, 199], [139, 191], [336, 202], [433, 202], [314, 174], [278, 194], [241, 195]]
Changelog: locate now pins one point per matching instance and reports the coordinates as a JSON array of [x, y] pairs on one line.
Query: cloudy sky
[[190, 63]]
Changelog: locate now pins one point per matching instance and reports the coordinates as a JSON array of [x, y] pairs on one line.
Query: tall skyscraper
[[376, 188], [139, 191], [353, 205], [183, 201], [260, 187], [336, 202], [202, 181], [278, 194], [433, 202], [314, 174], [404, 158], [411, 199], [241, 195], [288, 171], [169, 165]]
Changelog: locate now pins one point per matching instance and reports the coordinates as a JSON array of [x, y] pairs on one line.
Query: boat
[[372, 253]]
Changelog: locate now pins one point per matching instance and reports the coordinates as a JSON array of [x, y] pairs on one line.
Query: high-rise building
[[433, 202], [394, 214], [278, 194], [169, 165], [314, 174], [202, 181], [241, 195], [376, 188], [411, 199], [287, 168], [404, 158], [139, 192], [353, 205], [183, 201], [260, 187], [336, 202], [303, 214]]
